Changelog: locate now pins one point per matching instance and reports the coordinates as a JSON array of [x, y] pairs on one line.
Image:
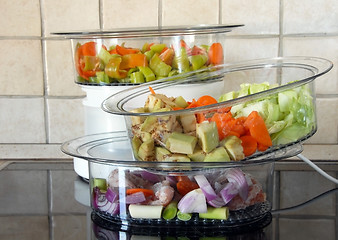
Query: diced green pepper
[[112, 69], [105, 56], [90, 63], [157, 48], [147, 73], [159, 68], [198, 61], [137, 77], [149, 54], [181, 61], [100, 183], [102, 77]]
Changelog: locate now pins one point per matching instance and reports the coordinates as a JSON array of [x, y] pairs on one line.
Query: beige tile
[[25, 192], [324, 47], [75, 15], [73, 227], [31, 151], [20, 18], [21, 67], [259, 17], [189, 12], [22, 120], [327, 115], [61, 73], [250, 48], [309, 185], [63, 191], [129, 13], [309, 229], [24, 227], [310, 17], [66, 119]]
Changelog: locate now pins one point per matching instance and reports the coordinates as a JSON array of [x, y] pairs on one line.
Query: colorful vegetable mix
[[151, 196], [95, 63]]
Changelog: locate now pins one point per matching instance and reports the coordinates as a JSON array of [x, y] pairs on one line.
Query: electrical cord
[[319, 170]]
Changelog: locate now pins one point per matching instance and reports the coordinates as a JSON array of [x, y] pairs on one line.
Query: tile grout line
[[44, 68]]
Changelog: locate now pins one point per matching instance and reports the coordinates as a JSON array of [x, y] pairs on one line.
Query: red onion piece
[[205, 186], [111, 195], [137, 197], [235, 175], [229, 192], [217, 202], [100, 202], [151, 177], [193, 202]]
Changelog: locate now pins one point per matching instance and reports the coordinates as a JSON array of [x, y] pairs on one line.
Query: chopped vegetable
[[183, 216], [216, 213], [137, 197], [185, 186], [145, 211], [249, 145], [102, 203], [146, 192], [206, 188], [170, 211], [216, 54], [235, 175], [193, 202]]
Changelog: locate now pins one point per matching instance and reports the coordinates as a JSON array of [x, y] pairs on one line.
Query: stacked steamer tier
[[197, 160], [106, 62]]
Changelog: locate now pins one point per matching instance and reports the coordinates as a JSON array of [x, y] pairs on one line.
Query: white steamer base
[[96, 120]]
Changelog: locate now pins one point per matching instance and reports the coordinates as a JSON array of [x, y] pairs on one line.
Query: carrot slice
[[185, 186], [133, 60], [206, 100], [123, 50], [152, 90], [146, 192], [215, 54], [249, 145], [258, 129], [261, 147], [89, 49]]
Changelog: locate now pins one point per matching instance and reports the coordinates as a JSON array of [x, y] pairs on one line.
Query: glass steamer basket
[[96, 56], [223, 192]]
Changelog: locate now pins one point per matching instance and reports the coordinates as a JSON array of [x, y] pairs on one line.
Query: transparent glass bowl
[[112, 168], [108, 57], [287, 106]]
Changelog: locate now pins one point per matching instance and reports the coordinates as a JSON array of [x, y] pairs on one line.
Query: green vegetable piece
[[147, 150], [137, 77], [145, 47], [90, 63], [170, 211], [158, 47], [221, 213], [92, 80], [136, 143], [181, 61], [183, 216], [198, 61], [102, 77], [147, 73], [101, 183], [160, 68], [217, 155], [180, 101], [207, 134], [105, 56], [145, 211], [181, 143], [149, 54], [233, 146], [198, 155]]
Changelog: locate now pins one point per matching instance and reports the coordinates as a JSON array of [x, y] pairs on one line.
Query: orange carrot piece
[[258, 130], [123, 50], [185, 186], [206, 100], [133, 60], [152, 90], [146, 192], [249, 145], [261, 147], [89, 49], [215, 54], [167, 56]]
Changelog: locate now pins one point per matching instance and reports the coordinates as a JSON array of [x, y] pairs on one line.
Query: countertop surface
[[48, 200]]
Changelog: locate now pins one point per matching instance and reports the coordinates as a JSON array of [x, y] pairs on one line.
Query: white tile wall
[[41, 104]]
